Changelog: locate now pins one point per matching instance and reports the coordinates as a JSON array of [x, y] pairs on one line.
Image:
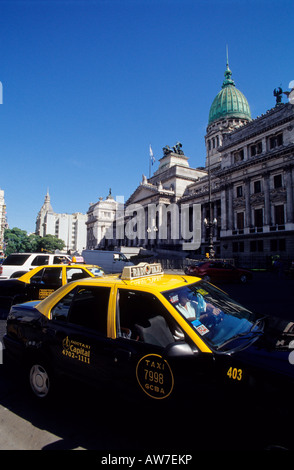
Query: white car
[[17, 264]]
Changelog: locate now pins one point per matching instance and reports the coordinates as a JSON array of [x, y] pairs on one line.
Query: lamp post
[[150, 231], [210, 223]]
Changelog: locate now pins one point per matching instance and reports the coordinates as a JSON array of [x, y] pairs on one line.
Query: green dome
[[229, 102]]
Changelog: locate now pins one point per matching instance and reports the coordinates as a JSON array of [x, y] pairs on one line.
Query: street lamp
[[150, 231], [211, 222]]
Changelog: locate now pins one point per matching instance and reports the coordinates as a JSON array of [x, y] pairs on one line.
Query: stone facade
[[248, 190], [164, 189], [252, 190]]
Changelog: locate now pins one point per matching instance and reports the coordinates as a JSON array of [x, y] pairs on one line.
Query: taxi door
[[44, 282], [79, 345], [143, 332]]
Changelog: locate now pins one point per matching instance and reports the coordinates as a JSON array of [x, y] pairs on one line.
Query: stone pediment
[[148, 191]]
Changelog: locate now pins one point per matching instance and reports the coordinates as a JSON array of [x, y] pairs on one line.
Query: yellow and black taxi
[[40, 282], [148, 333]]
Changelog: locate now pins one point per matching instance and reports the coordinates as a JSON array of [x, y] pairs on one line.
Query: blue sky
[[89, 85]]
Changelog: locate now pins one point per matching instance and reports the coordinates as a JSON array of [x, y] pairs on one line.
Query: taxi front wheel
[[40, 379]]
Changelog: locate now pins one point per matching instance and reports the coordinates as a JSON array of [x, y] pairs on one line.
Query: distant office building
[[71, 228]]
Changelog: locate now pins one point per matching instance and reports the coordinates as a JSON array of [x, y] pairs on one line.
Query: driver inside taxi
[[187, 307], [193, 310]]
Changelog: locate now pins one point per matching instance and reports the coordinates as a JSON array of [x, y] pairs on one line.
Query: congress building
[[245, 189]]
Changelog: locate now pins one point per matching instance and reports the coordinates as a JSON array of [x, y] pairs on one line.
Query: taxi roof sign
[[141, 270], [78, 259]]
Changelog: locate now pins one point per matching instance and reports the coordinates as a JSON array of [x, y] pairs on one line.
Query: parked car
[[218, 271], [40, 282], [17, 264]]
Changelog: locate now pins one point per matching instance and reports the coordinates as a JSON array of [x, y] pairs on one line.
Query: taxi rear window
[[84, 306]]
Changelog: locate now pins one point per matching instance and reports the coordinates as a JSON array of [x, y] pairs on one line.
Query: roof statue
[[176, 149], [278, 94], [109, 194]]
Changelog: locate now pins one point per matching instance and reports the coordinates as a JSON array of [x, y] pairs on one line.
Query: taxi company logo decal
[[43, 293], [155, 376], [76, 350]]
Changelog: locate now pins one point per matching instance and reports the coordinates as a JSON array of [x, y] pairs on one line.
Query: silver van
[[109, 261]]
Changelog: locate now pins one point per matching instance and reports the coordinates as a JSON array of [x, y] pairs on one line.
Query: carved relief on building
[[239, 202], [278, 195], [256, 199]]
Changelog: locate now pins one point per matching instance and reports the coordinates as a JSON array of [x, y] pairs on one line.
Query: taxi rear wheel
[[40, 379]]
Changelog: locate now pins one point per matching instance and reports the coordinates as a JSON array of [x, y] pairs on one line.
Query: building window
[[256, 245], [278, 181], [256, 149], [238, 247], [258, 217], [279, 214], [240, 220], [238, 156], [57, 228], [239, 191], [276, 141], [257, 187], [278, 245]]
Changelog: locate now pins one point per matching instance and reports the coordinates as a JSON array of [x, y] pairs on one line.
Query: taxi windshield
[[217, 318]]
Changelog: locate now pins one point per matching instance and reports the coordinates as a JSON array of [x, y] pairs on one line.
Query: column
[[223, 209], [247, 203], [230, 207], [245, 150], [267, 209], [289, 191]]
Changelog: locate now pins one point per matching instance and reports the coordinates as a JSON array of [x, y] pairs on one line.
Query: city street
[[89, 419]]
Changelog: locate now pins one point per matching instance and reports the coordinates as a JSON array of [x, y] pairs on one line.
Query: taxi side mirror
[[180, 348]]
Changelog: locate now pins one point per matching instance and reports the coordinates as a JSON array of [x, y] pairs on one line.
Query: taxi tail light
[[1, 269]]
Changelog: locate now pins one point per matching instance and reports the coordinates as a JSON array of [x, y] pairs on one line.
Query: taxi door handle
[[122, 354]]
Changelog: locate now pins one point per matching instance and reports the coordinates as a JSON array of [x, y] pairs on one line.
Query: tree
[[50, 243], [34, 241], [18, 241]]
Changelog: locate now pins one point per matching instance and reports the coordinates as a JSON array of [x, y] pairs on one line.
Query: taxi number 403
[[234, 373]]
